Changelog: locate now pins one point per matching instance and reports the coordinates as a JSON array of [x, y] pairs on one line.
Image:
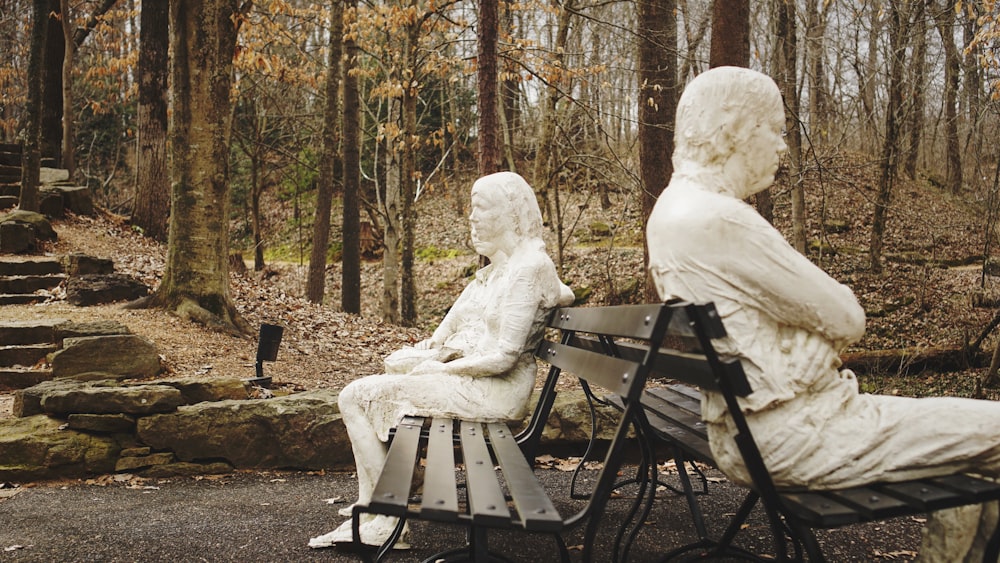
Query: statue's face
[[763, 149], [485, 224]]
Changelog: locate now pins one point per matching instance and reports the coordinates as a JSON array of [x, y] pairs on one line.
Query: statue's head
[[731, 117], [511, 195]]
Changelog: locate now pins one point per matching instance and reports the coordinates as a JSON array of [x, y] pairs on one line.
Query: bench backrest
[[622, 376], [688, 355]]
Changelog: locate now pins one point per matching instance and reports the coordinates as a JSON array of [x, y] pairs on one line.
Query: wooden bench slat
[[392, 490], [820, 510], [532, 503], [613, 374], [623, 321], [667, 404], [924, 494], [487, 504], [871, 503], [971, 487], [440, 496]]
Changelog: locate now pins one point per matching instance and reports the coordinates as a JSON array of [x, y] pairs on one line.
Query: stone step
[[43, 331], [12, 379], [30, 266], [25, 355], [29, 284], [22, 298]]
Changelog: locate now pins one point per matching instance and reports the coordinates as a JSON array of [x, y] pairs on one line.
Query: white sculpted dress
[[787, 321]]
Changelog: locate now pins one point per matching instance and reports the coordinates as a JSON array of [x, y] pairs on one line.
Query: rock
[[300, 431], [47, 175], [77, 199], [183, 468], [70, 329], [16, 238], [29, 332], [50, 203], [136, 452], [28, 402], [105, 423], [39, 223], [139, 462], [37, 447], [122, 356], [77, 264], [134, 400], [199, 389], [97, 289]]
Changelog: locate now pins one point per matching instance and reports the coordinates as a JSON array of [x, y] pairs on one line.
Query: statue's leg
[[369, 451]]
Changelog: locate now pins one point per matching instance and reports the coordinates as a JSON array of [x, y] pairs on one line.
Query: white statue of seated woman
[[788, 320], [479, 362]]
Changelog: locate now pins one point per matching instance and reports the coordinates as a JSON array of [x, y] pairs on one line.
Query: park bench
[[480, 475], [688, 358]]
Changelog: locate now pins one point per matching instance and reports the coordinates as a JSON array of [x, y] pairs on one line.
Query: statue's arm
[[519, 302], [788, 286]]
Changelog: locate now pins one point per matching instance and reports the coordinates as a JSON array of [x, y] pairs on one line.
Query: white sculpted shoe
[[374, 532]]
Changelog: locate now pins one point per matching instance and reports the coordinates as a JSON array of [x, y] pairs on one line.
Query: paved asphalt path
[[270, 516]]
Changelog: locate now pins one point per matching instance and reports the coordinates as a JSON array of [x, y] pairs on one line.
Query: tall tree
[[557, 83], [730, 33], [657, 23], [489, 127], [152, 187], [889, 165], [945, 19], [350, 297], [316, 281], [785, 63], [815, 68], [54, 84], [196, 279], [917, 88], [68, 159], [31, 128]]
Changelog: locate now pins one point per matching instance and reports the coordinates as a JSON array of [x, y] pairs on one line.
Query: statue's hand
[[813, 353]]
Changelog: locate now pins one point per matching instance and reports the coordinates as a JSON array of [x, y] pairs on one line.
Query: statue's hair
[[515, 194], [718, 110]]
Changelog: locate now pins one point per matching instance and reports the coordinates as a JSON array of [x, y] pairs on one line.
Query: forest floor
[[924, 299]]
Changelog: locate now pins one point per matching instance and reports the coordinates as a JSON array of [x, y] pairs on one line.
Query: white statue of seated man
[[788, 320], [479, 363]]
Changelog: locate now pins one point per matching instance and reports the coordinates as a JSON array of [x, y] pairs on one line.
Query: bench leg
[[992, 552]]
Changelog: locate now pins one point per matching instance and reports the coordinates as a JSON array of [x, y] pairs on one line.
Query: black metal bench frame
[[689, 356], [513, 498]]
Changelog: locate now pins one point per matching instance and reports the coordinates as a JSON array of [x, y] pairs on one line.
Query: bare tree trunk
[[69, 55], [546, 136], [350, 297], [196, 279], [945, 20], [407, 283], [53, 86], [152, 190], [390, 259], [316, 282], [785, 70], [31, 127], [657, 104], [730, 33], [915, 111], [489, 129], [816, 73], [890, 152], [257, 228]]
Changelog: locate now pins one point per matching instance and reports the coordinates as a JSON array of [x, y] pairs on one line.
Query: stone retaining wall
[[73, 428]]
